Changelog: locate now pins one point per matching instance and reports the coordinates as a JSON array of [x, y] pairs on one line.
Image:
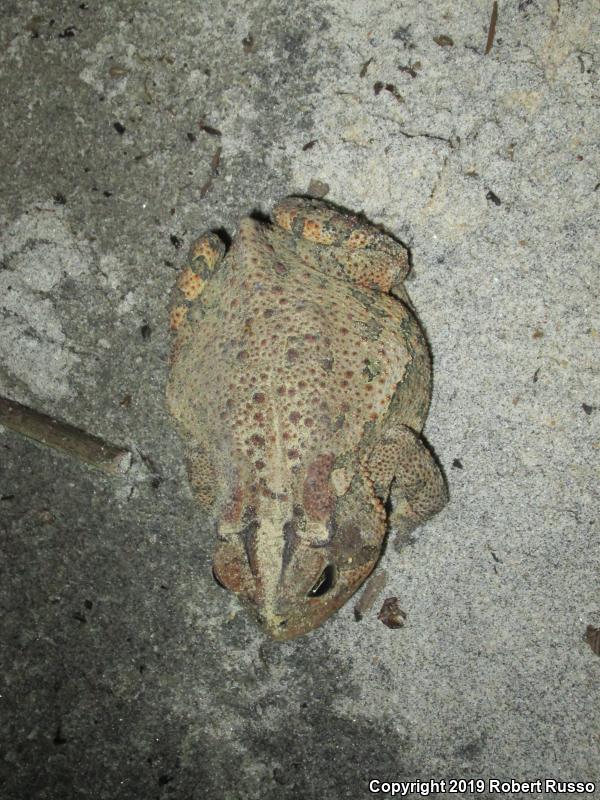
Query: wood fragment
[[61, 436], [407, 68], [364, 68], [592, 637], [375, 585], [216, 161], [209, 129], [492, 28], [443, 40]]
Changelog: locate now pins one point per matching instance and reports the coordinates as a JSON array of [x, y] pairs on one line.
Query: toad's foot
[[206, 253], [404, 470], [368, 257]]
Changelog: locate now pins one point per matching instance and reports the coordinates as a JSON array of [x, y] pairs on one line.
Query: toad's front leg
[[403, 470]]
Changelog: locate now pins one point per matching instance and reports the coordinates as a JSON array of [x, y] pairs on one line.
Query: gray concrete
[[127, 672]]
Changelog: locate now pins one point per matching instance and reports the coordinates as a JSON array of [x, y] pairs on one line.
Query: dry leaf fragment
[[391, 614], [592, 637]]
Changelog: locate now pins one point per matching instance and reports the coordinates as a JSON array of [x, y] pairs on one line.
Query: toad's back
[[287, 358]]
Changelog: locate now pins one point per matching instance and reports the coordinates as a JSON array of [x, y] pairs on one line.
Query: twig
[[492, 28], [375, 585], [61, 436]]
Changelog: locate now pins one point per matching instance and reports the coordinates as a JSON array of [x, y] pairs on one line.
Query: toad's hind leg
[[201, 474], [404, 471], [206, 253], [366, 255]]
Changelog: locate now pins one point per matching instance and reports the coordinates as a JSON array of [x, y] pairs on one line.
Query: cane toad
[[300, 380]]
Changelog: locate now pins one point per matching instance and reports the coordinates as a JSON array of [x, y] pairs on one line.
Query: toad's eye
[[324, 583]]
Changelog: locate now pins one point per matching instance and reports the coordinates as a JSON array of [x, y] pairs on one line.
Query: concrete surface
[[128, 128]]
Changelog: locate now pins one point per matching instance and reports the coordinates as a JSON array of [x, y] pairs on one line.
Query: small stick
[[375, 585], [492, 28], [64, 437]]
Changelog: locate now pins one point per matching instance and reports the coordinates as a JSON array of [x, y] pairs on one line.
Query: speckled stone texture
[[126, 132]]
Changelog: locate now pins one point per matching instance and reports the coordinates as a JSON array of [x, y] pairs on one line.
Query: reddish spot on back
[[233, 510], [319, 499]]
